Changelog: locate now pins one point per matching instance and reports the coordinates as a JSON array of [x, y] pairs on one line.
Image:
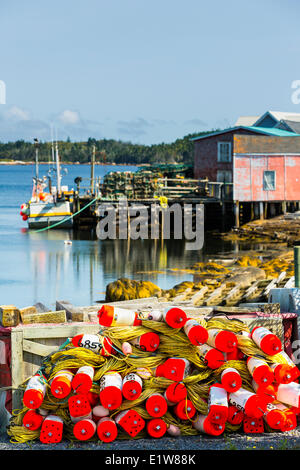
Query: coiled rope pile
[[173, 343]]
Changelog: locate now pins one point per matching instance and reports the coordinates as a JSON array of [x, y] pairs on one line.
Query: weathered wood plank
[[199, 295], [46, 317], [59, 331], [17, 371], [38, 348]]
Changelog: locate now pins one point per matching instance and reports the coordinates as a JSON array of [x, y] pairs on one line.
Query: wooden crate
[[30, 344]]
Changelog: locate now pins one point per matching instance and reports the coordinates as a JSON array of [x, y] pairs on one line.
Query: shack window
[[269, 180], [224, 151]]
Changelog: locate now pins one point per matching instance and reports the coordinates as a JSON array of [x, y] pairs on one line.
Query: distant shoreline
[[72, 163]]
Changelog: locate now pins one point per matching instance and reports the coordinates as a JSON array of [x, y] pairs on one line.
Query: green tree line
[[107, 151]]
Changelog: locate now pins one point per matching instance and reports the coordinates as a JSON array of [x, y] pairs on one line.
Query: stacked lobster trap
[[156, 374]]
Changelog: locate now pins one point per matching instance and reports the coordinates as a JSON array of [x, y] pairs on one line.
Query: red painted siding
[[248, 177]]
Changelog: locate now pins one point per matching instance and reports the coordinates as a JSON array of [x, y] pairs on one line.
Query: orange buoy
[[174, 368], [115, 316], [267, 394], [84, 430], [32, 420], [35, 392], [204, 424], [250, 403], [294, 369], [290, 415], [284, 373], [131, 422], [97, 343], [156, 405], [212, 357], [175, 392], [184, 410], [51, 430], [83, 380], [132, 386], [111, 390], [99, 412], [269, 343], [175, 317], [274, 417], [79, 405], [61, 384], [217, 404], [260, 371], [156, 427], [107, 429], [146, 342], [231, 379], [223, 340], [196, 333], [235, 415]]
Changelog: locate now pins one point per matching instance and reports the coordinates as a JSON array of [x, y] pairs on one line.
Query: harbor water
[[41, 267]]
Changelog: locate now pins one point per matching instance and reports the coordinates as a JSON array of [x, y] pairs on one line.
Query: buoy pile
[[164, 373]]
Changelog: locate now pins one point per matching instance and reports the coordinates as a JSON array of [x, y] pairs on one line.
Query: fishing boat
[[52, 206]]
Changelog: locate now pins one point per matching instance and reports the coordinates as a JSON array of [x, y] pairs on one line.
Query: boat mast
[[36, 144], [58, 175], [93, 171]]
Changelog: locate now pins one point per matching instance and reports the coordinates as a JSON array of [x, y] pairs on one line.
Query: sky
[[143, 71]]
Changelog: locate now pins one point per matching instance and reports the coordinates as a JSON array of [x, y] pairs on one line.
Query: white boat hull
[[47, 214]]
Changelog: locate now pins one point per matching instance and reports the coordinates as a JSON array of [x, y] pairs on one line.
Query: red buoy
[[205, 425], [222, 340], [269, 343], [61, 384], [196, 333], [32, 420], [175, 317], [51, 430], [175, 392], [107, 429], [156, 428], [115, 316], [146, 342], [131, 422], [35, 392], [132, 386], [211, 356], [174, 368], [84, 430], [111, 391], [156, 405], [231, 379], [83, 380], [184, 410]]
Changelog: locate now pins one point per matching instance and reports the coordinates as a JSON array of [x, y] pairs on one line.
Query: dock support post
[[237, 213], [261, 210], [283, 205], [297, 265]]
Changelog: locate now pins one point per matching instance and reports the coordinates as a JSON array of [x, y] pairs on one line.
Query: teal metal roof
[[260, 130]]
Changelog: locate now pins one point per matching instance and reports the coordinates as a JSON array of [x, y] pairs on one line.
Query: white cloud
[[69, 117], [17, 113]]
